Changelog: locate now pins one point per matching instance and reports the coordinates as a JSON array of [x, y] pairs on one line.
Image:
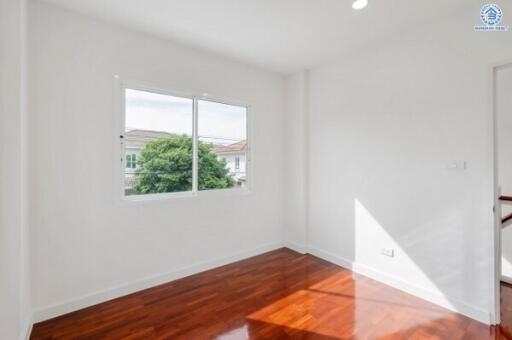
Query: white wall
[[504, 119], [385, 124], [296, 160], [368, 140], [84, 241], [14, 284]]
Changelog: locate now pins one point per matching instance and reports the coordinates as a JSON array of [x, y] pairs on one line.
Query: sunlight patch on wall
[[372, 240]]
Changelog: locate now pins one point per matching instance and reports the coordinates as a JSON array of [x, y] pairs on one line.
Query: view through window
[[222, 136], [159, 144]]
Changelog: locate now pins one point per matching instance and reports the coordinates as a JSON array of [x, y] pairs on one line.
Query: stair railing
[[505, 220]]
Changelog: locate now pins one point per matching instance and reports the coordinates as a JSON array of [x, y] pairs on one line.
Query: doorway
[[502, 108]]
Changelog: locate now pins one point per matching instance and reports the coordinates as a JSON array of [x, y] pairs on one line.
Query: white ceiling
[[280, 35]]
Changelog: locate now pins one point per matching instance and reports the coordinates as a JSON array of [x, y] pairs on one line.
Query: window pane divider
[[195, 147]]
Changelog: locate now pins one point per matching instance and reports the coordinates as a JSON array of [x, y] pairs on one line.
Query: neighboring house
[[135, 140], [235, 157]]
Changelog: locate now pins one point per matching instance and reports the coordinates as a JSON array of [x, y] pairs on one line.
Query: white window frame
[[121, 85]]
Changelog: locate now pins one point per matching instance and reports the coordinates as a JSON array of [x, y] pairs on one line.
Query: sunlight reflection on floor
[[236, 334], [334, 308]]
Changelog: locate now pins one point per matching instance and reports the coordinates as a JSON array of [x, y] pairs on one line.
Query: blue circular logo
[[491, 14]]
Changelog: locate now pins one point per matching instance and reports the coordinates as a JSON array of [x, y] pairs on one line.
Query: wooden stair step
[[506, 219]]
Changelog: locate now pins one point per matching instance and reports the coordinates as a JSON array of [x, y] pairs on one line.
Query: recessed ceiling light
[[359, 4]]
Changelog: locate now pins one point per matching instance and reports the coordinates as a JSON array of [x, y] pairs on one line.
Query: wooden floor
[[506, 310], [278, 295]]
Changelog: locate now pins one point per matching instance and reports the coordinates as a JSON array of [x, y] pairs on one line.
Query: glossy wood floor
[[278, 295], [506, 310]]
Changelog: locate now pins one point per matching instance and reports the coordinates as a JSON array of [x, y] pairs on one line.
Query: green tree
[[165, 165]]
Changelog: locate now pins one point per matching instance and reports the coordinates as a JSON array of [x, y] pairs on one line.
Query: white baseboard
[[299, 248], [324, 255], [115, 292], [27, 330], [423, 293]]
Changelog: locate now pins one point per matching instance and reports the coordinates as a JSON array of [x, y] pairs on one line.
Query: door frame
[[497, 230]]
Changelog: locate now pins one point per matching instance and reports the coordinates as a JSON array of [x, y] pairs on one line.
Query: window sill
[[156, 198]]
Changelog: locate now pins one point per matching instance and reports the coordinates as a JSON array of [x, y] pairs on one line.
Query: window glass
[[157, 143], [222, 139]]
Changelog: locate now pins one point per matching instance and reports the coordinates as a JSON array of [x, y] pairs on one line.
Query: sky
[[217, 123]]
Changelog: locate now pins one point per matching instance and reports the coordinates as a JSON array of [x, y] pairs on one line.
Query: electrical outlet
[[388, 252], [457, 165]]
